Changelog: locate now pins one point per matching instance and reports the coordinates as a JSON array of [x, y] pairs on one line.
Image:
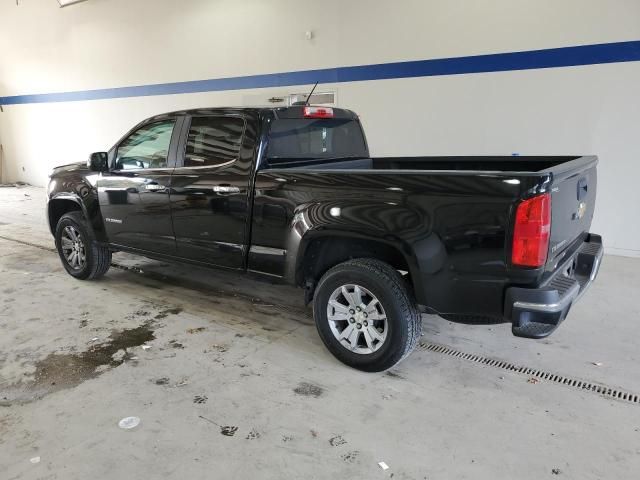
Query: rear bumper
[[537, 312]]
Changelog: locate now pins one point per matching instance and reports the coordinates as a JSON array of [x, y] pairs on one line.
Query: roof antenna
[[311, 93]]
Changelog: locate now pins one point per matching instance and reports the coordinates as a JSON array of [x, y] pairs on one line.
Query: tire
[[97, 259], [378, 281]]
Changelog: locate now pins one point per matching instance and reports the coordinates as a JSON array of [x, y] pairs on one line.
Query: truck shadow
[[473, 319]]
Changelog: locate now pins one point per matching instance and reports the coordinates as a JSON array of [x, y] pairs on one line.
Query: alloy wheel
[[73, 248], [357, 319]]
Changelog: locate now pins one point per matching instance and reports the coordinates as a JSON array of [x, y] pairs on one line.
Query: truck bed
[[533, 164], [456, 212], [500, 164]]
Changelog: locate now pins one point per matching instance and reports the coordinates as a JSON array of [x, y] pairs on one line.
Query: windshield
[[306, 139]]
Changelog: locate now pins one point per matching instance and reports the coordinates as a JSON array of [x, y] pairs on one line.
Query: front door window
[[147, 147]]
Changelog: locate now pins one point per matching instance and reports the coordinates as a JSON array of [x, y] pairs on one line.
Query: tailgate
[[573, 199]]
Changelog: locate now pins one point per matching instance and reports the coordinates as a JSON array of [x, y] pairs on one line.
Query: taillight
[[318, 112], [531, 232]]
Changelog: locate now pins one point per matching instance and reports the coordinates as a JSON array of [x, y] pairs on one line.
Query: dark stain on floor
[[195, 330], [168, 311], [308, 390], [337, 441], [59, 371], [228, 431], [200, 399], [350, 457], [136, 314]]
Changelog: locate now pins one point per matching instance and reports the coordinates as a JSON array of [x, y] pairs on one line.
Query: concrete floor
[[236, 383]]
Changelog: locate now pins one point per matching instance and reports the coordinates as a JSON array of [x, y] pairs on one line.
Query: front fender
[[82, 193]]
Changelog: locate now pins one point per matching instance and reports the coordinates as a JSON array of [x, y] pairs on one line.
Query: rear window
[[307, 139]]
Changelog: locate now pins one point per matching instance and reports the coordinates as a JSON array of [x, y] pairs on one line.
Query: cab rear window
[[309, 139]]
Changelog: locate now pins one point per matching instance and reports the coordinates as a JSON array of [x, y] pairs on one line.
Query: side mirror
[[98, 162]]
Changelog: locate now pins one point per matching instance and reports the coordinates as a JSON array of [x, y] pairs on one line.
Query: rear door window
[[213, 141]]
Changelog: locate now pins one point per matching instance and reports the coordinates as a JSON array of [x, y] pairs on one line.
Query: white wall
[[111, 43]]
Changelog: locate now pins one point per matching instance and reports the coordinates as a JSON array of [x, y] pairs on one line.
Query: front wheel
[[365, 315], [81, 256]]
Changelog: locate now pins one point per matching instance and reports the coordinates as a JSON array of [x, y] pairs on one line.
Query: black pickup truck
[[293, 193]]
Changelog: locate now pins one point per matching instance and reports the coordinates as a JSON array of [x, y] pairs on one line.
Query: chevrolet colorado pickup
[[293, 193]]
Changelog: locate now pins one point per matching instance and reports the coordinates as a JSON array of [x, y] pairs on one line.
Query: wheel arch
[[65, 202], [60, 205], [320, 251]]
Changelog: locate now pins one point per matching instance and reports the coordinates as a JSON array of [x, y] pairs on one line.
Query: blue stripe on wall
[[498, 62]]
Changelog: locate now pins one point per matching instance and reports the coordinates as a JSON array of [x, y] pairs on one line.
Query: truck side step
[[533, 330]]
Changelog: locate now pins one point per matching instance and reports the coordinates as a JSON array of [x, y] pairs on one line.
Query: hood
[[80, 167]]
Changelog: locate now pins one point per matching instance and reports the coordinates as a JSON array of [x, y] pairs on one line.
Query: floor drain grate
[[583, 385]]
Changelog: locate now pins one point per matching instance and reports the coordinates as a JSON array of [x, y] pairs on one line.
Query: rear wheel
[[365, 314], [81, 256]]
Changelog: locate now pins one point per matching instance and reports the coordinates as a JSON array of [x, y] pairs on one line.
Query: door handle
[[226, 189], [583, 188]]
